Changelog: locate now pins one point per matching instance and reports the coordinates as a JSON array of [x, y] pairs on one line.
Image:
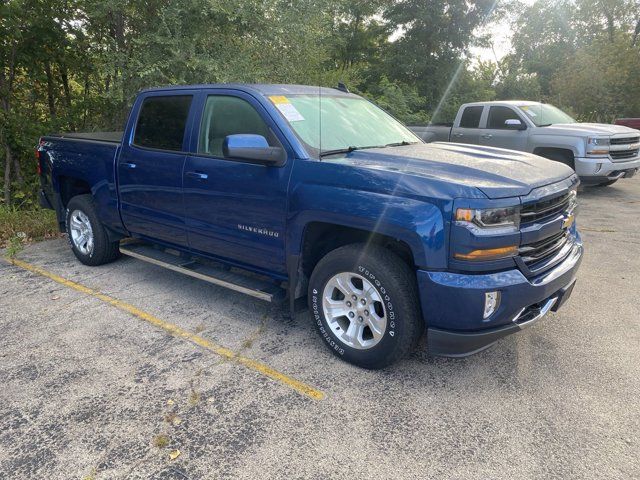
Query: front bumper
[[603, 169], [453, 304]]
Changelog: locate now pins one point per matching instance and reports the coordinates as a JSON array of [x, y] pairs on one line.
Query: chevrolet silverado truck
[[317, 195], [600, 154]]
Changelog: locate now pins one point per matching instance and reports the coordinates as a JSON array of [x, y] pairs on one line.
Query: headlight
[[598, 145], [490, 218], [598, 141]]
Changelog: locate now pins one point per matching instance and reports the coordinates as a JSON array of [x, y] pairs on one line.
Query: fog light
[[491, 303]]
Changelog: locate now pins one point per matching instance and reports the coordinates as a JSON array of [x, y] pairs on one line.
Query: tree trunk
[[50, 93], [18, 170], [8, 160], [610, 24]]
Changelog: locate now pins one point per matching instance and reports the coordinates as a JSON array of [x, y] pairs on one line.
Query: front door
[[233, 209], [497, 134], [150, 169]]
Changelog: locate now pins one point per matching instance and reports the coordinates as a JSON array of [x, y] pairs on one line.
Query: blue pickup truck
[[316, 195]]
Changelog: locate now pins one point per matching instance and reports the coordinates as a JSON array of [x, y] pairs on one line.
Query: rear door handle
[[458, 134], [197, 175], [128, 165], [487, 135]]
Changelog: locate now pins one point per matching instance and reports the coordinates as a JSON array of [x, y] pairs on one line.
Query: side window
[[498, 115], [471, 117], [162, 121], [224, 115]]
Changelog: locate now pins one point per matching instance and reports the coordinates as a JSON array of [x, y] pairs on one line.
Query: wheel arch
[[318, 238], [562, 154]]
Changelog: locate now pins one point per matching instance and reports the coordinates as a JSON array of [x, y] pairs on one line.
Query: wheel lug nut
[[360, 319], [351, 314], [353, 297], [363, 301], [366, 312], [348, 304]]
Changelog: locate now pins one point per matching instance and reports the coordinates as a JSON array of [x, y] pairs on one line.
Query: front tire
[[87, 236], [364, 302]]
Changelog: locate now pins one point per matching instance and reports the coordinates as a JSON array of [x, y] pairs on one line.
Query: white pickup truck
[[600, 154]]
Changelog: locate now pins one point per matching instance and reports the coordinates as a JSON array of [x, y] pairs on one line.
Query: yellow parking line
[[177, 331]]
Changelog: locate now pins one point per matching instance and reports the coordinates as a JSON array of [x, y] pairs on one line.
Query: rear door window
[[161, 122], [471, 117], [499, 115]]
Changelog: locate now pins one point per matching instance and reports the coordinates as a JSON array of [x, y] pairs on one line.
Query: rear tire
[[87, 236], [364, 302]]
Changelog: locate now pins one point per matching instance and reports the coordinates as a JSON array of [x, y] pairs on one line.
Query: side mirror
[[252, 148], [514, 124]]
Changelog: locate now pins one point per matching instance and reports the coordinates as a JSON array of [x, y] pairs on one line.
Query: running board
[[218, 275]]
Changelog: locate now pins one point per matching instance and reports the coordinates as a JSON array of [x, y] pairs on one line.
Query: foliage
[[76, 65], [18, 226]]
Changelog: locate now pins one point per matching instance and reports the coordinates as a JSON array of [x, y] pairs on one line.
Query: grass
[[160, 441], [19, 227]]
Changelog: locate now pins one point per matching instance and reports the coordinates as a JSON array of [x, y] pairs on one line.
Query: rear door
[[236, 210], [150, 167], [496, 133], [467, 127]]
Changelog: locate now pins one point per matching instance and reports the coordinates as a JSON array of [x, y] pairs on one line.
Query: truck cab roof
[[258, 88], [515, 103]]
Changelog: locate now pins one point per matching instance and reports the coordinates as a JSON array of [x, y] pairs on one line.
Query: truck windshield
[[339, 124], [543, 114]]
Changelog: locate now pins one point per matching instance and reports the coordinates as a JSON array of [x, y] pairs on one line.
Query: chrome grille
[[535, 252], [620, 154], [624, 141], [540, 255], [544, 209]]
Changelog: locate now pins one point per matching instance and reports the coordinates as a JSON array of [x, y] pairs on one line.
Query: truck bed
[[437, 132], [110, 137]]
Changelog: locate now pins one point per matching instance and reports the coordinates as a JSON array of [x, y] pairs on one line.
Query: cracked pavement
[[88, 391]]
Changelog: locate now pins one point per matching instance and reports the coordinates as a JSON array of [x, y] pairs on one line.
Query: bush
[[22, 226]]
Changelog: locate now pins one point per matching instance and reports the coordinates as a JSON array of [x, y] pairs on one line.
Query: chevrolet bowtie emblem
[[568, 221]]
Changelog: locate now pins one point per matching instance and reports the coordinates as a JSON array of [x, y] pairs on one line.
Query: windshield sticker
[[277, 99], [531, 113], [287, 109]]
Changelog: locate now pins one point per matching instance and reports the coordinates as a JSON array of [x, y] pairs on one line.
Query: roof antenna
[[342, 87]]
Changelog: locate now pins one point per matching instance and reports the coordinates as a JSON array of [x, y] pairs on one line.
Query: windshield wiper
[[325, 153], [337, 151], [400, 144]]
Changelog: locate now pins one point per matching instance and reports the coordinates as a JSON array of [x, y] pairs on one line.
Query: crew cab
[[600, 154], [317, 195]]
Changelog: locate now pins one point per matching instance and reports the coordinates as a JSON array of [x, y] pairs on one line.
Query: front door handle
[[197, 175], [487, 135], [458, 134], [128, 165]]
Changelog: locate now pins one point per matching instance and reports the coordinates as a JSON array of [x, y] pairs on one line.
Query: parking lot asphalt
[[92, 388]]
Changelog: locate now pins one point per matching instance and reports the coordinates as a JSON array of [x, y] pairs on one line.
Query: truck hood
[[586, 129], [496, 172]]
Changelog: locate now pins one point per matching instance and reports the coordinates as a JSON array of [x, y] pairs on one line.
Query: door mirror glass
[[514, 124], [248, 146]]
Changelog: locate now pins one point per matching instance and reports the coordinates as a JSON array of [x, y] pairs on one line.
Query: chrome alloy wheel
[[354, 310], [81, 232]]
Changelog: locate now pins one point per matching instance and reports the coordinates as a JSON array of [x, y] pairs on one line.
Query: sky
[[501, 38]]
